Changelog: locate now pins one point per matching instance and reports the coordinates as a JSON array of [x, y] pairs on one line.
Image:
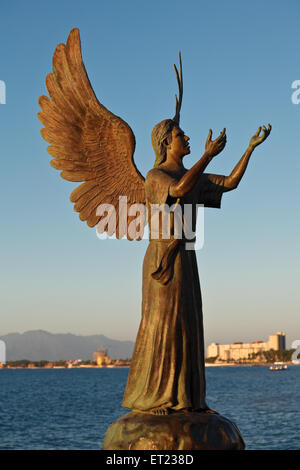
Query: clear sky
[[239, 59]]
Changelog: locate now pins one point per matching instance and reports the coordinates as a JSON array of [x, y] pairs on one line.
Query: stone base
[[176, 431]]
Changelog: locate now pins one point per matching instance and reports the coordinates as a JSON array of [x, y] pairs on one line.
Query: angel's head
[[168, 135]]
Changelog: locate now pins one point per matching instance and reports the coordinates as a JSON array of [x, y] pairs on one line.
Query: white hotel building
[[236, 351]]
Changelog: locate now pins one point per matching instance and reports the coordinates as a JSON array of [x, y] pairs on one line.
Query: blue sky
[[239, 61]]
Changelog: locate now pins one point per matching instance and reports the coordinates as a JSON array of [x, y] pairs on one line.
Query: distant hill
[[41, 345]]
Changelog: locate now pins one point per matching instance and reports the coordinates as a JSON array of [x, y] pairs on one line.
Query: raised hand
[[214, 147], [257, 139]]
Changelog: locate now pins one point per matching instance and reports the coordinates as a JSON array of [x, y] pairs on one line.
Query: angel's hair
[[160, 138]]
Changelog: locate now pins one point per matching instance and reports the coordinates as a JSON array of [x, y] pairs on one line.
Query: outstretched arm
[[231, 182], [188, 181]]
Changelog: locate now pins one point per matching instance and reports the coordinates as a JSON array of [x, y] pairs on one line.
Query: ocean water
[[72, 408]]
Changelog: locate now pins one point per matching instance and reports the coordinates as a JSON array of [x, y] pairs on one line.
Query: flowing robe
[[167, 367]]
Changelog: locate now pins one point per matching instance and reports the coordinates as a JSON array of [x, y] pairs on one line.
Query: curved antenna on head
[[176, 118]]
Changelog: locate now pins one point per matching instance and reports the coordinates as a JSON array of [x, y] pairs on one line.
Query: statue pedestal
[[176, 431]]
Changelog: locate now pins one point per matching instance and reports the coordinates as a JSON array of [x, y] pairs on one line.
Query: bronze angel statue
[[93, 146]]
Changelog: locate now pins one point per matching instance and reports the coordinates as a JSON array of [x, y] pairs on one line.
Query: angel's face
[[179, 146]]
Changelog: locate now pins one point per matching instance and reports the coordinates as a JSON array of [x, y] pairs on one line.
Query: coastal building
[[101, 358], [239, 350], [277, 341]]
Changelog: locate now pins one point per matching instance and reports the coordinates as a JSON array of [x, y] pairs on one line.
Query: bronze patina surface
[[176, 431], [166, 383]]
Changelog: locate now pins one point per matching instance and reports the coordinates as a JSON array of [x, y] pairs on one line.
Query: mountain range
[[41, 345]]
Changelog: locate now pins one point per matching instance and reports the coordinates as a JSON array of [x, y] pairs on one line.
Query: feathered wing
[[90, 144]]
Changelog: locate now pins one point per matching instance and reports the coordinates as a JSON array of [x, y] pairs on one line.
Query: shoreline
[[127, 367], [237, 365], [59, 367]]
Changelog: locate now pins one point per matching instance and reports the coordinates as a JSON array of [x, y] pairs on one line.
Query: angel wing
[[91, 144]]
